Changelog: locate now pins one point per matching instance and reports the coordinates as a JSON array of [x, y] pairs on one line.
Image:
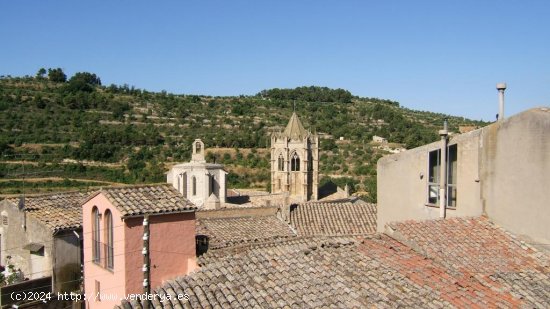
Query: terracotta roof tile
[[223, 232], [334, 218], [449, 267], [146, 199], [478, 248], [329, 272], [58, 211]]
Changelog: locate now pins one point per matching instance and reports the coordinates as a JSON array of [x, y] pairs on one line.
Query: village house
[[501, 171], [41, 236], [135, 237]]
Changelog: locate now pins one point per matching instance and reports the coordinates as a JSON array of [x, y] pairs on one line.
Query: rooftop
[[223, 232], [146, 199], [372, 271], [334, 218], [58, 211]]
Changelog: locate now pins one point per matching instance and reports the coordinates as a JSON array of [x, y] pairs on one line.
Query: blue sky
[[441, 56]]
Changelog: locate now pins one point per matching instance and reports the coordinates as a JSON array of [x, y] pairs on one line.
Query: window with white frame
[[434, 174]]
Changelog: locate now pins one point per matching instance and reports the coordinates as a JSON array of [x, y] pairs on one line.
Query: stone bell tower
[[295, 161]]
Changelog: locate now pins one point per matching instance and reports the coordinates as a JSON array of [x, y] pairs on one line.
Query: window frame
[[432, 187], [295, 162], [96, 240], [109, 240]]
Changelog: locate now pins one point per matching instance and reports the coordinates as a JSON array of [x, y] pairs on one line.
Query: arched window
[[109, 239], [281, 163], [295, 163], [194, 185], [198, 147], [96, 245]]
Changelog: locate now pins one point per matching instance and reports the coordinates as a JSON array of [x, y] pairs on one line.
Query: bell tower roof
[[294, 129]]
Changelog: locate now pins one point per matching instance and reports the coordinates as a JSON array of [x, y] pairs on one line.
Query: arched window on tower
[[295, 163], [281, 163], [194, 185], [198, 147]]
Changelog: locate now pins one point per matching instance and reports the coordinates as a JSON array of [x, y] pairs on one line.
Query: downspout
[[443, 171], [146, 262]]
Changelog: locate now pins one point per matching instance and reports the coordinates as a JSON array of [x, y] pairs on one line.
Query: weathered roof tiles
[[334, 218], [146, 199], [223, 232], [58, 211]]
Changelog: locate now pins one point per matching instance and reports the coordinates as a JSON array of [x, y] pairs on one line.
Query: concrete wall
[[403, 183], [14, 237], [67, 260], [174, 255], [503, 171], [516, 174]]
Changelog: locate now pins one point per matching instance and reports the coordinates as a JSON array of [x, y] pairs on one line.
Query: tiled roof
[[58, 211], [478, 248], [223, 232], [455, 263], [146, 199], [330, 272], [334, 218]]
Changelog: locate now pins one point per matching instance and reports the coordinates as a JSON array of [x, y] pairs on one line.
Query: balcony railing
[[103, 254]]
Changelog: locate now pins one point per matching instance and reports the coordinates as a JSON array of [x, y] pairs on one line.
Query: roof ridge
[[46, 194]]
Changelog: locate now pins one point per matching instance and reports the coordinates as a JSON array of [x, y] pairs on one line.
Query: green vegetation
[[82, 130]]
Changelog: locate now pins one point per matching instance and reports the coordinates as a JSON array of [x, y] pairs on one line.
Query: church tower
[[295, 161]]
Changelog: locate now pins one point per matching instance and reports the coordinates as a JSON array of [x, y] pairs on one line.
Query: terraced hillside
[[85, 134]]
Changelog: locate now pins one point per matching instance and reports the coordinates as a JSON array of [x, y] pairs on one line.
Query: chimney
[[501, 87]]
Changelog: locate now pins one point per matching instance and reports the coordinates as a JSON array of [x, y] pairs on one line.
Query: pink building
[[113, 228]]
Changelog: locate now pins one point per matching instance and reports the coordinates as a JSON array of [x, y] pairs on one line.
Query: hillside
[[80, 134]]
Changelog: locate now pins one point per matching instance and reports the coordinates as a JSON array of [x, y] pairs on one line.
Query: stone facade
[[200, 182], [295, 162]]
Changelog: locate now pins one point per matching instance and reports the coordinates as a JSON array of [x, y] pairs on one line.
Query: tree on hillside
[[57, 75], [89, 78], [41, 72]]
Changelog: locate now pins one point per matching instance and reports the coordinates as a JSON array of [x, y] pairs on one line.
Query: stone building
[[295, 161], [200, 182]]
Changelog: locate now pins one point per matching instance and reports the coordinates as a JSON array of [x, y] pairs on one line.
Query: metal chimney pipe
[[443, 171], [501, 87]]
